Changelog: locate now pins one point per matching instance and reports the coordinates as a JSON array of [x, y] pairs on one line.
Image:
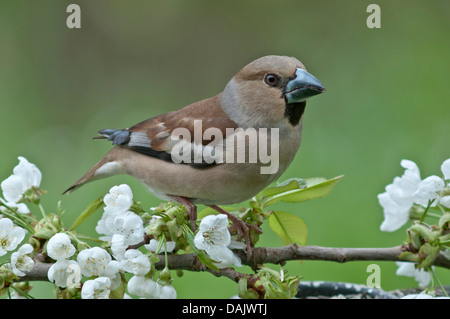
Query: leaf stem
[[430, 202], [21, 292], [18, 219], [439, 282], [41, 208]]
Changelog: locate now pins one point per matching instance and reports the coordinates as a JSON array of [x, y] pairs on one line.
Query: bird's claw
[[191, 210], [243, 231]]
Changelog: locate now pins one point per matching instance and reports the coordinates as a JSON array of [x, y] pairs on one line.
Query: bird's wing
[[193, 128]]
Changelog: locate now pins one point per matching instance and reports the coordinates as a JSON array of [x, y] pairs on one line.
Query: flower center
[[213, 237], [4, 242]]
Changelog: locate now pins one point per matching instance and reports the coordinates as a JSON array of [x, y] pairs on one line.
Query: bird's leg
[[242, 228], [191, 209]]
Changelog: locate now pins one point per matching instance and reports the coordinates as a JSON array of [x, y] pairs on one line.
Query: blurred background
[[387, 99]]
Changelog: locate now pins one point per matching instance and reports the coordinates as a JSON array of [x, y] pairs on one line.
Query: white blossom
[[398, 198], [25, 176], [213, 232], [98, 288], [125, 223], [60, 271], [129, 225], [118, 220], [435, 189], [445, 168], [135, 262], [408, 269], [10, 236], [59, 247], [20, 261], [97, 261], [429, 190], [142, 287], [165, 292], [214, 238], [94, 262], [119, 197]]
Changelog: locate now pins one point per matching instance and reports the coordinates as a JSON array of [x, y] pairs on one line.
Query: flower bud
[[164, 277], [429, 260], [414, 239], [245, 292], [423, 231], [444, 221], [34, 194]]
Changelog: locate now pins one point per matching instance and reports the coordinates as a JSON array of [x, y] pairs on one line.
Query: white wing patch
[[109, 169], [139, 139]]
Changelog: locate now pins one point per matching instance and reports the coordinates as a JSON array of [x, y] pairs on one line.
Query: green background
[[386, 100]]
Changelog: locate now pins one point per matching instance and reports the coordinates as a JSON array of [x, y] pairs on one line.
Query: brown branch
[[269, 255]]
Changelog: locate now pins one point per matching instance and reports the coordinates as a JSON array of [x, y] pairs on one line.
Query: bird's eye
[[271, 79]]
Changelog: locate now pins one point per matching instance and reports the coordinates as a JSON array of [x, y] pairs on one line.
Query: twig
[[266, 255]]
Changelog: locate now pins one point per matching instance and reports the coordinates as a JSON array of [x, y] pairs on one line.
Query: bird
[[266, 96]]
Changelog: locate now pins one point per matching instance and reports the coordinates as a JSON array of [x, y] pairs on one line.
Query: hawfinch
[[216, 151]]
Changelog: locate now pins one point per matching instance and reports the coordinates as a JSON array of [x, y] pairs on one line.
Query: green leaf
[[91, 209], [119, 291], [290, 228], [287, 185], [315, 188]]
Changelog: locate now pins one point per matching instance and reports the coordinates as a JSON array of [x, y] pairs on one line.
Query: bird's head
[[270, 91]]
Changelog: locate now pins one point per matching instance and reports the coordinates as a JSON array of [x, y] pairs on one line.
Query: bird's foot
[[191, 209], [242, 228]]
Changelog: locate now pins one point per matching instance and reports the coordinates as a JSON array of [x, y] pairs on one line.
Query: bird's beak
[[302, 86]]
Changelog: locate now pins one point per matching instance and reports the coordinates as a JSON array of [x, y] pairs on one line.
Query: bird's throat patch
[[294, 112]]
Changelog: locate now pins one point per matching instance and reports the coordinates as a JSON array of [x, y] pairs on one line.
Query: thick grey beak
[[303, 86]]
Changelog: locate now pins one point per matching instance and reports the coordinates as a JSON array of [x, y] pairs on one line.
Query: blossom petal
[[30, 174], [445, 201], [408, 269], [142, 287], [98, 288], [410, 166], [13, 188], [395, 215], [223, 255], [166, 292], [445, 168], [429, 189], [135, 262], [153, 245], [60, 271]]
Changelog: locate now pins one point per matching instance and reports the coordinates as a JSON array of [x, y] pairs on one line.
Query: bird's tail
[[107, 166]]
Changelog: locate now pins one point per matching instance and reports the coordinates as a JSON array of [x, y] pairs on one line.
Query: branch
[[263, 255]]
